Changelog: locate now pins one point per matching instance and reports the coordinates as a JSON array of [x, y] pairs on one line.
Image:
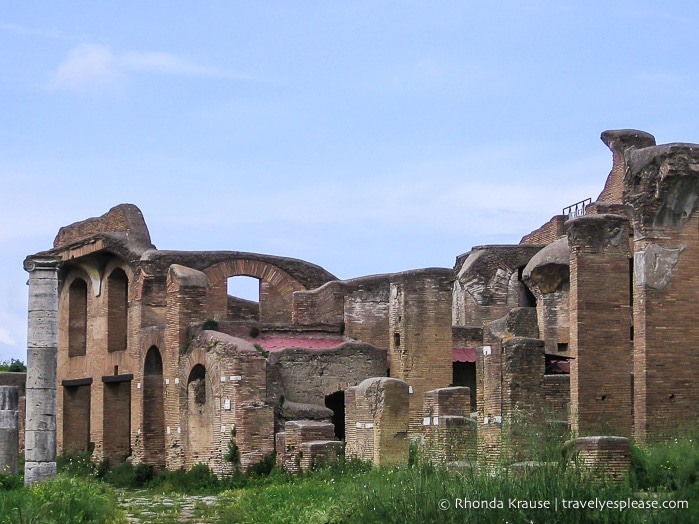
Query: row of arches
[[116, 414], [117, 313]]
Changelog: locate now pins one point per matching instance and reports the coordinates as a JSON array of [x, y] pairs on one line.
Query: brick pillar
[[378, 415], [421, 345], [509, 369], [662, 188], [523, 367], [600, 325], [186, 296], [42, 350]]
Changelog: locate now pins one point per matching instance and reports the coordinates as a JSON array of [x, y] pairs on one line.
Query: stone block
[[38, 471], [40, 446], [41, 368]]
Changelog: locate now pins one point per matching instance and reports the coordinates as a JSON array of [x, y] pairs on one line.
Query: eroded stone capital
[[47, 263], [597, 233]]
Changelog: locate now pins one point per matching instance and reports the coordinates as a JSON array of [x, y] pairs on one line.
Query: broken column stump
[[9, 430], [603, 457]]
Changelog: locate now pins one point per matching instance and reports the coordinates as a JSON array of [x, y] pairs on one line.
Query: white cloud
[[88, 69], [6, 337], [167, 63], [96, 68], [29, 31]]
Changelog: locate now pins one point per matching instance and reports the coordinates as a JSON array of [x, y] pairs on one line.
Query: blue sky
[[364, 136]]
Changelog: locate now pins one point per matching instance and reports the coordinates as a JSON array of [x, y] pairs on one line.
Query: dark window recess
[[396, 339], [562, 347]]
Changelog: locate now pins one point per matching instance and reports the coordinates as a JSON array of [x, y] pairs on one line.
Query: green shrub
[[210, 324], [142, 474], [122, 476], [264, 467], [76, 464], [261, 350], [13, 365], [232, 453], [10, 482], [201, 478]]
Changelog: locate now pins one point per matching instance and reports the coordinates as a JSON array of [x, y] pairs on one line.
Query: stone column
[[9, 434], [42, 349]]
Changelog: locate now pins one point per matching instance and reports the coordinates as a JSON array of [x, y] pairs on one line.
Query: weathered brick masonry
[[610, 296]]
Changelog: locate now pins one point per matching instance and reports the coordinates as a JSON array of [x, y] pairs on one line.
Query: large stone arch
[[276, 287]]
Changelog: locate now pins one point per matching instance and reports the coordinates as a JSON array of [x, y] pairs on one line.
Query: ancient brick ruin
[[589, 324]]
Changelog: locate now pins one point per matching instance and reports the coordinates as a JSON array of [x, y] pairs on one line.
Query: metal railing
[[578, 209]]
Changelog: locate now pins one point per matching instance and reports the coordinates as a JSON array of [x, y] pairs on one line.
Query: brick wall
[[116, 410], [76, 418], [557, 397], [360, 305], [97, 361], [549, 232], [186, 296]]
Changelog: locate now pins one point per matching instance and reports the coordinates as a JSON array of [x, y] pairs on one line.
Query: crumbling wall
[[549, 232], [449, 433], [221, 380], [359, 306], [487, 285], [305, 444], [124, 219], [305, 377]]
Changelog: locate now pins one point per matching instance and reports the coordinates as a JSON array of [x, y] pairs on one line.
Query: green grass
[[355, 493], [424, 494], [63, 500]]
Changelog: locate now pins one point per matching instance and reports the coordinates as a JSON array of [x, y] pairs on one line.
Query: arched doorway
[[153, 409], [200, 417]]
